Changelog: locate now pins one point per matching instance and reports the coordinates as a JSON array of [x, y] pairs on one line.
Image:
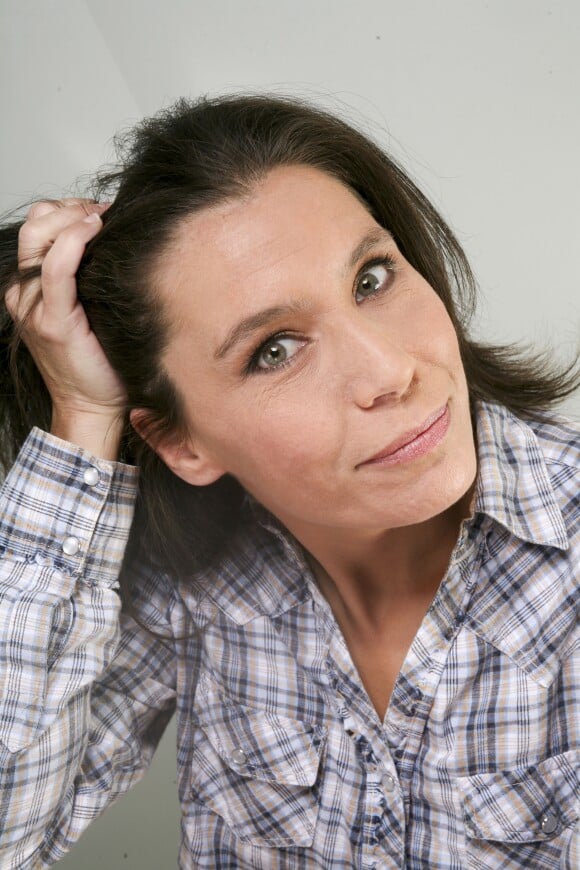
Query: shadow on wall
[[140, 831]]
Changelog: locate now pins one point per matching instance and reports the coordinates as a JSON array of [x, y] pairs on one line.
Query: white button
[[549, 823], [238, 757], [71, 546], [389, 783], [91, 476]]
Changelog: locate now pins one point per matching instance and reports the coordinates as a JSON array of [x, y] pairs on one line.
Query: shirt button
[[549, 823], [91, 476], [71, 546], [238, 757], [389, 783]]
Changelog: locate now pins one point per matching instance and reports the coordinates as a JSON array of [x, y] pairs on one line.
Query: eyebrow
[[369, 241], [249, 325]]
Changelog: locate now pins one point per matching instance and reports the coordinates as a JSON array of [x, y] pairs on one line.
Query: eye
[[275, 352], [373, 279]]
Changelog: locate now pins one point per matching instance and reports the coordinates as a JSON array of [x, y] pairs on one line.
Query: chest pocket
[[259, 772], [524, 817]]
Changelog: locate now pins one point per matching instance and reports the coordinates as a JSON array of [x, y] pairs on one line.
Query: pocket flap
[[263, 745], [524, 804]]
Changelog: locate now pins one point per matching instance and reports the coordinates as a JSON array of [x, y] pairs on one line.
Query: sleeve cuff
[[63, 506]]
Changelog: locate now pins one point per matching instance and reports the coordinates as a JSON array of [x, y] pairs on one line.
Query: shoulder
[[529, 474], [531, 492], [552, 441], [559, 440]]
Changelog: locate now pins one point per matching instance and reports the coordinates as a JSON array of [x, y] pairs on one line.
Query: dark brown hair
[[193, 155]]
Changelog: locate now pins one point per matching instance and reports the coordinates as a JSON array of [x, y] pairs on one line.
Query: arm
[[85, 693]]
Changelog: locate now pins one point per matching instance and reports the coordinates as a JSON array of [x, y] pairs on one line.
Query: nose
[[375, 366]]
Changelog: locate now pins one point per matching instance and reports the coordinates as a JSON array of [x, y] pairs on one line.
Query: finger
[[57, 283], [38, 233], [46, 206], [59, 290], [11, 300], [40, 208]]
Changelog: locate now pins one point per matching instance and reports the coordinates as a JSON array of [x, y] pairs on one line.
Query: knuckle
[[11, 300], [85, 205], [67, 248], [70, 240], [41, 208], [26, 233]]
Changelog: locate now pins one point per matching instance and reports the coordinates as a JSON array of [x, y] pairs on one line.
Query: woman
[[354, 555]]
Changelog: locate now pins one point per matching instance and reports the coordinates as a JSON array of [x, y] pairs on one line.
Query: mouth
[[415, 442]]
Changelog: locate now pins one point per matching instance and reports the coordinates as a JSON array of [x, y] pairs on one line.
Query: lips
[[415, 442]]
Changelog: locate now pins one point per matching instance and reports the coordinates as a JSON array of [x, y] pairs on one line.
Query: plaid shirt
[[282, 760]]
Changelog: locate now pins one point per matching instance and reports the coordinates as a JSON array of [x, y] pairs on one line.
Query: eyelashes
[[365, 287], [273, 354], [278, 350]]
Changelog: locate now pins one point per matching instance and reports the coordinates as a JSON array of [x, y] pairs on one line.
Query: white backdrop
[[478, 99]]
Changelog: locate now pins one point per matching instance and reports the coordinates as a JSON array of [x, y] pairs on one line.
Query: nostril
[[384, 386]]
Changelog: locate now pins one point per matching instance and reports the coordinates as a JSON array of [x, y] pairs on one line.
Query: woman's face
[[304, 345]]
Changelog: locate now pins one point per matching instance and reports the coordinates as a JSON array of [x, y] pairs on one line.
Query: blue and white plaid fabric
[[282, 760]]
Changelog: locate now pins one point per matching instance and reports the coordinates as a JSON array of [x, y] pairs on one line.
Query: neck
[[362, 573]]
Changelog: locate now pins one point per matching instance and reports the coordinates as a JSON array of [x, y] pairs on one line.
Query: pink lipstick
[[414, 443]]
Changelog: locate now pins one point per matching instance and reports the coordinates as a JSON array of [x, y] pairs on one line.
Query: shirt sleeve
[[85, 690]]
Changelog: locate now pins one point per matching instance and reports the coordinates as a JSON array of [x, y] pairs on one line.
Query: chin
[[455, 487]]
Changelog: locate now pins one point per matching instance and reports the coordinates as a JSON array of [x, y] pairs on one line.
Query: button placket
[[238, 758], [389, 783], [470, 827]]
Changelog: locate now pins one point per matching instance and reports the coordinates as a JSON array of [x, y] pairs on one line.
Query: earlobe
[[177, 451]]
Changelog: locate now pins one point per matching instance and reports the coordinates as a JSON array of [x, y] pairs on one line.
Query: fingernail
[[92, 218]]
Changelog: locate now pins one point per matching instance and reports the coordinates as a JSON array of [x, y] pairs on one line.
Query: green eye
[[371, 281], [275, 352]]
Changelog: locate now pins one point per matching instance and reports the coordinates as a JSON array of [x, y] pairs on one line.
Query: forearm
[[63, 533]]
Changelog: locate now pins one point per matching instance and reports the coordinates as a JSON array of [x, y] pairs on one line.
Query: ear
[[177, 451]]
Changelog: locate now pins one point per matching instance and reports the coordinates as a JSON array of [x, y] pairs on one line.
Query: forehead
[[245, 253], [279, 212]]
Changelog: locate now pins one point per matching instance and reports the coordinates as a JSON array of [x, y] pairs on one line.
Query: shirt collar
[[513, 484], [264, 572]]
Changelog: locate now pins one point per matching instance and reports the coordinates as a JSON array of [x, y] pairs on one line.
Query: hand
[[87, 395]]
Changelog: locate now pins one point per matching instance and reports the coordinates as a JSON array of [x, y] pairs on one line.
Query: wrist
[[97, 432]]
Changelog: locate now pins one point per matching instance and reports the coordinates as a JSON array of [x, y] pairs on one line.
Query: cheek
[[436, 337], [270, 439], [294, 435]]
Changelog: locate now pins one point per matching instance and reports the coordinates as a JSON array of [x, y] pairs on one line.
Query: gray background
[[478, 99]]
